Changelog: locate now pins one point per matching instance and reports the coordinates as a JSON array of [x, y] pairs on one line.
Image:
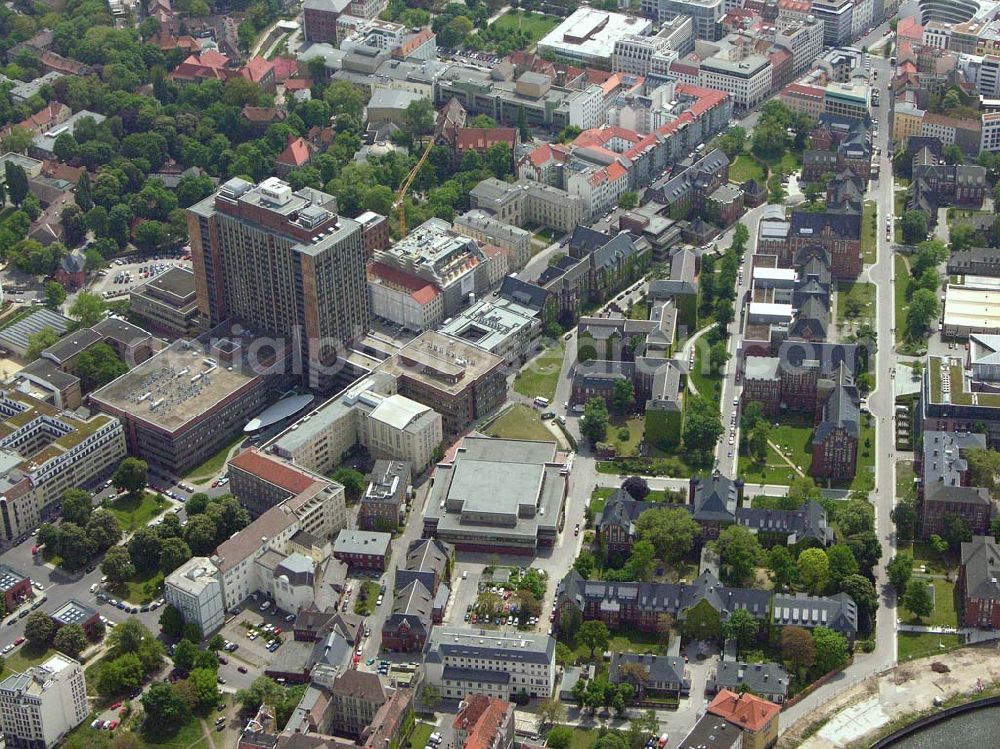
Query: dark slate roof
[[621, 510], [809, 521], [620, 248], [987, 260], [760, 678], [665, 669], [452, 673], [841, 409], [811, 320], [815, 252], [715, 498], [842, 225], [412, 606], [667, 598], [585, 240], [837, 612], [524, 293], [981, 562], [828, 356], [74, 262], [602, 373]]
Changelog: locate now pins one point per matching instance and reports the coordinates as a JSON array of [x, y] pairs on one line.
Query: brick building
[[978, 589]]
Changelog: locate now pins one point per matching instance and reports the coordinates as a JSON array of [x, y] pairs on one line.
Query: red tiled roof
[[481, 138], [422, 291], [298, 84], [296, 153], [257, 69], [749, 712], [408, 45], [273, 471], [909, 27], [615, 171], [284, 68]]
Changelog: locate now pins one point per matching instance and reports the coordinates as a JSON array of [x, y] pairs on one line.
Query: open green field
[[864, 477], [793, 441], [207, 471], [136, 510], [869, 228], [747, 167], [943, 614], [519, 422], [788, 163], [540, 376], [21, 659], [775, 471], [536, 25], [920, 644], [855, 297], [899, 208], [925, 556], [905, 488], [599, 497]]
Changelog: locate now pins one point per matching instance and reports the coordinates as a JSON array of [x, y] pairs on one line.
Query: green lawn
[[793, 440], [636, 429], [22, 658], [599, 497], [788, 163], [869, 229], [142, 589], [639, 311], [583, 738], [628, 640], [943, 615], [706, 382], [536, 25], [190, 736], [905, 488], [747, 167], [864, 478], [775, 471], [136, 510], [520, 422], [899, 208], [541, 375], [902, 273], [920, 644], [858, 298], [207, 471], [420, 734], [923, 554]]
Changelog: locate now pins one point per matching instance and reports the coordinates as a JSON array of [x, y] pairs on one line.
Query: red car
[[277, 630], [113, 726], [115, 705], [18, 641], [34, 549]]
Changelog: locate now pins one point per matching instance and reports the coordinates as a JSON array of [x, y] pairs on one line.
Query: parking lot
[[120, 277]]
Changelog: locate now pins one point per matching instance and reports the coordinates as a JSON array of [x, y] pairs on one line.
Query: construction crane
[[405, 187]]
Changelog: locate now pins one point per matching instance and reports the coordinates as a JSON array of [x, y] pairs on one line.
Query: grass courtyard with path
[[136, 510], [540, 375], [536, 25]]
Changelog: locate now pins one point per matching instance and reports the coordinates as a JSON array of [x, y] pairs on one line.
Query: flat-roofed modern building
[[43, 704], [370, 413], [43, 452], [195, 590], [462, 662], [285, 263], [363, 549], [168, 302], [499, 326], [466, 510], [748, 79], [455, 378], [186, 402], [588, 36]]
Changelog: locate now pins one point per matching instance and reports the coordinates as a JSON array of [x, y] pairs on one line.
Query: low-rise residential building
[[363, 550], [194, 589], [463, 662], [736, 720], [944, 489], [15, 586], [386, 489], [484, 722], [978, 589], [485, 228], [667, 675], [39, 707], [767, 680]]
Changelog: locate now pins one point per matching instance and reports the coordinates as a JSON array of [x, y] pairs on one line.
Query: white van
[[541, 402]]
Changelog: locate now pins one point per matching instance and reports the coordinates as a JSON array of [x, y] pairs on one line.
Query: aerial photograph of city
[[499, 374]]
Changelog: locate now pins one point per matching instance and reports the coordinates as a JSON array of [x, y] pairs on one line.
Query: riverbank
[[885, 703]]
